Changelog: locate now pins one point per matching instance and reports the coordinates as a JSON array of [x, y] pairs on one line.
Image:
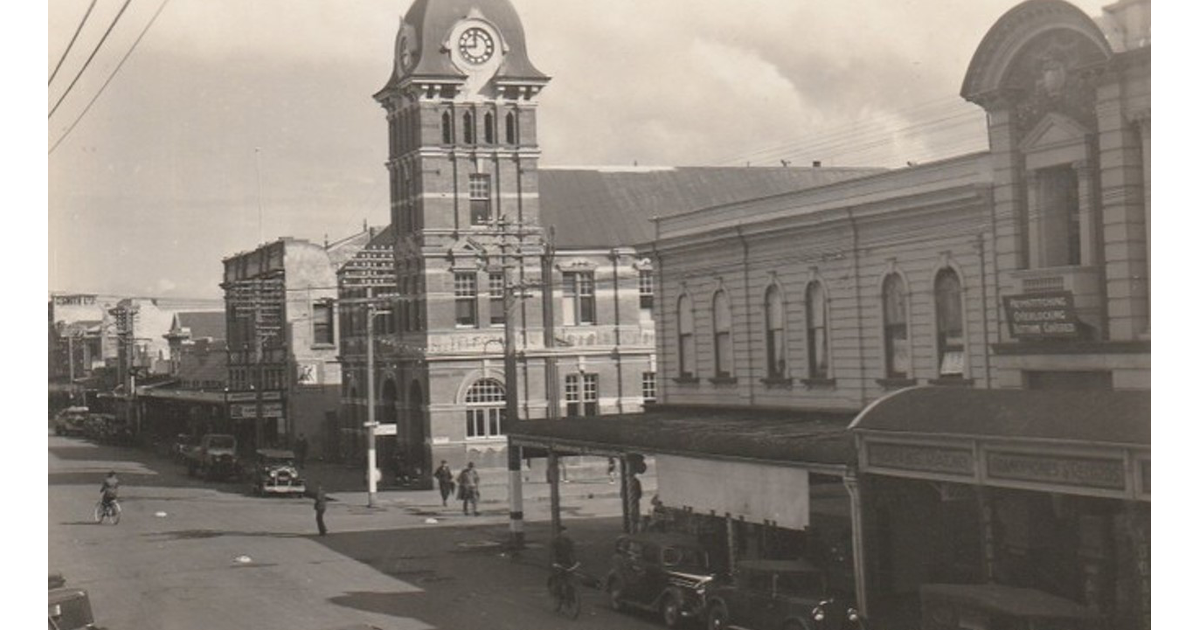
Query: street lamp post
[[371, 423]]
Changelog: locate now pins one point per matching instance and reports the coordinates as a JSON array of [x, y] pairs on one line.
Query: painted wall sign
[[74, 300], [753, 491], [1075, 471], [1041, 315], [954, 461]]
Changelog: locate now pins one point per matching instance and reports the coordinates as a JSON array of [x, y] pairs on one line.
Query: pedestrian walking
[[319, 506], [612, 470], [468, 488], [445, 480], [301, 450]]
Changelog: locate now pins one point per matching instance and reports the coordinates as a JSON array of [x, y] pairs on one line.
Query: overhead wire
[[90, 57], [71, 43], [110, 76]]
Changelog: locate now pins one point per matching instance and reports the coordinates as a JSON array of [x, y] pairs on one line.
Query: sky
[[233, 123]]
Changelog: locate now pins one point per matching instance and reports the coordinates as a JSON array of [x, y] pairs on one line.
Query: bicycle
[[564, 590], [110, 512]]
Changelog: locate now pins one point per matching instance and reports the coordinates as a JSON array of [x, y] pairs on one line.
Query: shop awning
[[815, 440], [1094, 443], [1090, 417]]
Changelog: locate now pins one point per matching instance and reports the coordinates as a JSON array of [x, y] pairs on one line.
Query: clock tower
[[461, 105]]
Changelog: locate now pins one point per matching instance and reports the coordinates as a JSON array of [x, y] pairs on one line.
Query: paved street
[[191, 554]]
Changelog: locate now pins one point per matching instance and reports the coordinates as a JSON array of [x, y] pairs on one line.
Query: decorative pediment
[[465, 253], [1053, 132], [577, 265]]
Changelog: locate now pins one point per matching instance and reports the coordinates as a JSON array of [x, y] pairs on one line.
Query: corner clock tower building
[[462, 160]]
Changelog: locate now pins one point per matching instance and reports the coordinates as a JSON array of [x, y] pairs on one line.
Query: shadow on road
[[382, 603], [200, 534]]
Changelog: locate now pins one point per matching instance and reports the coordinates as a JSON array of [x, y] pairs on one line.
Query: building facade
[[985, 317], [281, 324]]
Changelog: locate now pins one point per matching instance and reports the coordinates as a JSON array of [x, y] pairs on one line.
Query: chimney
[[816, 163]]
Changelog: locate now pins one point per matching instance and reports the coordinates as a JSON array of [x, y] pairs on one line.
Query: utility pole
[[371, 423], [516, 517]]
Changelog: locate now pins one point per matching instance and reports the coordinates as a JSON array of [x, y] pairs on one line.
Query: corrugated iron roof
[[1111, 417], [611, 207], [788, 436]]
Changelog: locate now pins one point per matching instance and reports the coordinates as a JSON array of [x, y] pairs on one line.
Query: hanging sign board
[[756, 492], [1042, 315]]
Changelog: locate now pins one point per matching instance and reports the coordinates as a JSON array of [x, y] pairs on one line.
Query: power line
[[72, 42], [110, 76], [90, 57]]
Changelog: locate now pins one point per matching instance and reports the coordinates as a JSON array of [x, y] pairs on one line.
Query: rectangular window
[[646, 295], [579, 298], [1062, 237], [572, 395], [649, 387], [485, 422], [322, 321], [496, 297], [583, 395], [481, 199], [465, 293]]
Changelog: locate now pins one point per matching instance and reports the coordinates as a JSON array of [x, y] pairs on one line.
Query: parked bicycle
[[108, 512], [564, 589]]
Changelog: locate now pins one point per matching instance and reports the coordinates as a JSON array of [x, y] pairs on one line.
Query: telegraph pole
[[371, 423]]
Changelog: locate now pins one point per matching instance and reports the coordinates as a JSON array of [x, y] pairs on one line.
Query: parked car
[[216, 457], [70, 421], [69, 608], [771, 594], [275, 473], [664, 573]]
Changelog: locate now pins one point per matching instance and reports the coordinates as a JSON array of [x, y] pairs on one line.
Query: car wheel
[[672, 609], [718, 616], [616, 590]]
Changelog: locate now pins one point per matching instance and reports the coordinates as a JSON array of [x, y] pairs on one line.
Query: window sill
[[951, 381], [818, 383], [895, 383], [777, 382], [686, 380], [323, 346], [723, 380]]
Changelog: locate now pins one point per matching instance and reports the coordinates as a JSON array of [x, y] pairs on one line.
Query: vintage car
[[664, 573], [184, 443], [214, 458], [69, 608], [275, 473], [773, 594], [70, 421]]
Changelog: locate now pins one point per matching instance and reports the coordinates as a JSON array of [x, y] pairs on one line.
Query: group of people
[[466, 483]]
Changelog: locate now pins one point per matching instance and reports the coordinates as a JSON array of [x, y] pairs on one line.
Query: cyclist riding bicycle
[[108, 488], [563, 554]]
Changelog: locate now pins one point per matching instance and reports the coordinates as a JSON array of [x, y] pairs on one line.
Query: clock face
[[476, 45]]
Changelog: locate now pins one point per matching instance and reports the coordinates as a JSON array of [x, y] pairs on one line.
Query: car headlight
[[818, 613], [852, 614]]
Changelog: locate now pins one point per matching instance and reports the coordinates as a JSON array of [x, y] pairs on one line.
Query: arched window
[[468, 128], [687, 339], [947, 294], [485, 409], [510, 129], [817, 337], [447, 129], [722, 336], [895, 327], [489, 128], [776, 344]]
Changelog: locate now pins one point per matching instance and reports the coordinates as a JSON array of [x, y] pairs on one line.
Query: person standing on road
[[319, 506], [445, 480], [301, 450], [468, 488], [108, 488]]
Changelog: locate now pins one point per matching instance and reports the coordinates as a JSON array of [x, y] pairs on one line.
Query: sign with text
[[756, 492], [1089, 472], [921, 458], [1042, 315], [250, 411]]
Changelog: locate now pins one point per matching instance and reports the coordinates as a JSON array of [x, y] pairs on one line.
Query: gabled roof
[[209, 324], [611, 207]]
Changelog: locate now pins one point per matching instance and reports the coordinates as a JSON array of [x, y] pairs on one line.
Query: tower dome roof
[[423, 36]]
